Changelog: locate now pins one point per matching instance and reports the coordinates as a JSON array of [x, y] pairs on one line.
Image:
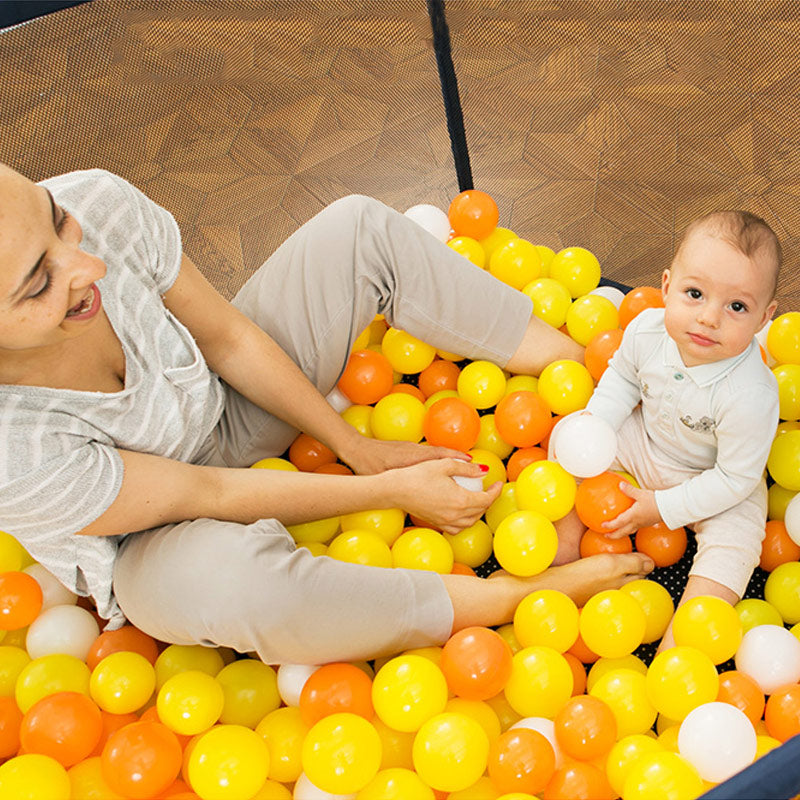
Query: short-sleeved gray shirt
[[59, 466]]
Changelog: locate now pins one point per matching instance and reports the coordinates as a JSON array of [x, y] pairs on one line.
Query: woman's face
[[47, 291]]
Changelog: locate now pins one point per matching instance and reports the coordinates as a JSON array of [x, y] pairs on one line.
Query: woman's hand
[[427, 490], [371, 456], [643, 513]]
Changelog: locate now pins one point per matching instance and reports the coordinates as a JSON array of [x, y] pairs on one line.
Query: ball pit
[[510, 712]]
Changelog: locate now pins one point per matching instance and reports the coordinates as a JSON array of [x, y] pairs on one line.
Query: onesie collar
[[702, 374]]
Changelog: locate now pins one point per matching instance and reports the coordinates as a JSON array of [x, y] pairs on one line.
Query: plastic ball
[[521, 760], [565, 386], [664, 775], [291, 679], [770, 655], [624, 754], [62, 629], [122, 682], [361, 547], [742, 691], [405, 352], [602, 666], [190, 702], [504, 505], [610, 293], [318, 530], [754, 611], [578, 779], [33, 776], [600, 350], [422, 548], [398, 416], [360, 418], [664, 545], [540, 683], [656, 602], [250, 690], [783, 338], [431, 218], [469, 248], [471, 546], [577, 268], [782, 712], [783, 462], [497, 238], [589, 315], [546, 728], [516, 263], [13, 556], [680, 679], [777, 547], [585, 727], [612, 623], [523, 418], [452, 422], [788, 379], [473, 213], [551, 300], [228, 762], [438, 376], [481, 384], [12, 661], [341, 753], [782, 590], [274, 462], [476, 663], [710, 625], [547, 488], [407, 691], [546, 617], [308, 453], [791, 519], [585, 445], [637, 300], [386, 522], [20, 600], [284, 730], [450, 752], [336, 688], [49, 674], [396, 783], [593, 543], [181, 657], [599, 499], [127, 638], [525, 543], [624, 691], [521, 458], [54, 593], [718, 740]]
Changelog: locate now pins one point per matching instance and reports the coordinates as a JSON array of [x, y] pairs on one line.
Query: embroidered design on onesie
[[646, 391], [703, 425]]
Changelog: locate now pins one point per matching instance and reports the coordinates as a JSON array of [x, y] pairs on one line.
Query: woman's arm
[[156, 491], [254, 364]]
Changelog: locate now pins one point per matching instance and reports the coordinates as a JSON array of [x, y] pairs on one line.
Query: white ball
[[585, 445], [54, 593], [62, 629], [472, 484], [770, 655], [433, 219], [547, 728], [610, 293], [718, 740], [291, 680], [338, 400], [791, 519], [305, 790]]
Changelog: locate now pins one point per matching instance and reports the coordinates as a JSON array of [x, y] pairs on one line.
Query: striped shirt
[[59, 465]]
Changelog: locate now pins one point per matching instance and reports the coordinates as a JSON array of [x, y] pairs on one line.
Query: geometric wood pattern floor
[[602, 124]]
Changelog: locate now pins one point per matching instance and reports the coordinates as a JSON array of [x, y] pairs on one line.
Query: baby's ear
[[768, 312], [665, 279]]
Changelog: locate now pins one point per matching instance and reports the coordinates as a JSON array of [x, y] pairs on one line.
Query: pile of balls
[[555, 704]]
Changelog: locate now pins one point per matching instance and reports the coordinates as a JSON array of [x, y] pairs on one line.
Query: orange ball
[[334, 469], [599, 350], [452, 422], [408, 388], [782, 712], [522, 418], [20, 600], [111, 724], [638, 299], [10, 720], [462, 569], [578, 673], [594, 542], [582, 652], [521, 760], [308, 453], [585, 727], [127, 638], [578, 780], [473, 213], [742, 691], [367, 377], [777, 548], [336, 688], [476, 662], [599, 499], [439, 376], [663, 545], [520, 459]]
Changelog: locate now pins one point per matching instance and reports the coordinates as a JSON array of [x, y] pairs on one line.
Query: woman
[[134, 397]]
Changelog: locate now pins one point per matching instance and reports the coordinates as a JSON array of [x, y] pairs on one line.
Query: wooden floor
[[602, 124]]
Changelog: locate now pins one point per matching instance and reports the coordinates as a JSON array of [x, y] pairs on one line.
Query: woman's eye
[[45, 286]]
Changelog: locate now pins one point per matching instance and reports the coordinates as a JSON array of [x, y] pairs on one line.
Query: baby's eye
[[695, 294], [738, 307]]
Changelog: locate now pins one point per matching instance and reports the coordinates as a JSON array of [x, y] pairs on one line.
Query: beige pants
[[729, 543], [247, 586]]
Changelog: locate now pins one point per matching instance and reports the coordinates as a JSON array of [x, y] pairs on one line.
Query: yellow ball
[[480, 711], [565, 386], [546, 487], [754, 611], [408, 690], [250, 689], [551, 300], [547, 617], [656, 602], [497, 238], [181, 657], [122, 682], [497, 469], [450, 752], [516, 263], [624, 753], [396, 745], [316, 531], [490, 439], [423, 548], [788, 377], [589, 315], [547, 255], [440, 395], [782, 591], [612, 623], [359, 417], [275, 463], [504, 505], [783, 338], [396, 783], [469, 248], [190, 702], [33, 776], [765, 744], [577, 268], [398, 416], [624, 691], [603, 666], [283, 730], [777, 500], [228, 762], [525, 543], [405, 352], [663, 775], [507, 632], [87, 781], [482, 789], [784, 460], [12, 661], [473, 545], [541, 682], [710, 625], [13, 556], [521, 383], [481, 384], [49, 674], [679, 680], [386, 522], [361, 547]]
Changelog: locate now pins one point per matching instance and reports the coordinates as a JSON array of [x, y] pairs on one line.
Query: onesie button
[[678, 376], [668, 395]]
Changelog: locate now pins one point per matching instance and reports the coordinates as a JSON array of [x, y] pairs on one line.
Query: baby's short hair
[[746, 232]]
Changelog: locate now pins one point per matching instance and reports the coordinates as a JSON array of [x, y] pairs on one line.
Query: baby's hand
[[641, 514]]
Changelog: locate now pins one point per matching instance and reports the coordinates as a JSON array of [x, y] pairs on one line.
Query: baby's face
[[716, 299]]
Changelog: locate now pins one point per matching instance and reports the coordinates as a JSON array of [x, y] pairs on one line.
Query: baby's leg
[[570, 532]]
